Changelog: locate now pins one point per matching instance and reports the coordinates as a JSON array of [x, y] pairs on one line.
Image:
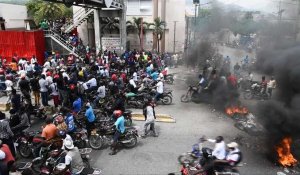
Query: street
[[159, 155]]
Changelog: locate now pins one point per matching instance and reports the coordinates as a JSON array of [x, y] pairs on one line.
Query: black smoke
[[281, 115]]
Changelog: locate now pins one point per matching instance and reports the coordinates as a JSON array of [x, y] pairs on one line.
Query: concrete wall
[[175, 11], [14, 15]]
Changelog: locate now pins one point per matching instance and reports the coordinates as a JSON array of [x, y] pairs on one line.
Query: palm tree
[[110, 25], [41, 10], [136, 25], [158, 30]]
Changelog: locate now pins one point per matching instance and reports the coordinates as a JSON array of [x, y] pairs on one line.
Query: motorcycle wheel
[[128, 122], [95, 142], [80, 144], [133, 142], [184, 98], [37, 165], [248, 95], [167, 100], [24, 150], [169, 81]]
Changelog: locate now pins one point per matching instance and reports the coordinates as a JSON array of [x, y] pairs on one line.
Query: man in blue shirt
[[90, 118], [120, 129], [154, 75], [77, 105]]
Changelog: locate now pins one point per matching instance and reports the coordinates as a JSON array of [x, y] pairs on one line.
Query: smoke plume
[[281, 115]]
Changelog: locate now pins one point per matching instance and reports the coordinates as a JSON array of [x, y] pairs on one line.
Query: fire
[[236, 110], [285, 157]]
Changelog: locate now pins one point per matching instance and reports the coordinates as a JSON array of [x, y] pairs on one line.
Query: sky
[[260, 5]]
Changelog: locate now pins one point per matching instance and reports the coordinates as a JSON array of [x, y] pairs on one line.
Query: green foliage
[[41, 10], [246, 25], [136, 26], [110, 25]]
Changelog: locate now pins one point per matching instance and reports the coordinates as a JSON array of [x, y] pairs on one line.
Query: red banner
[[22, 43]]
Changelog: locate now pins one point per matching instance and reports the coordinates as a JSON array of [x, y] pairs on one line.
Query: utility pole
[[174, 36], [196, 3], [280, 11], [142, 35]]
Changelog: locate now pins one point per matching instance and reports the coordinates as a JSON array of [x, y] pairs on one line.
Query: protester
[[149, 114], [6, 135], [44, 90]]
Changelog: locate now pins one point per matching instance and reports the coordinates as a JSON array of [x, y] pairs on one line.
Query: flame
[[236, 110], [285, 157]]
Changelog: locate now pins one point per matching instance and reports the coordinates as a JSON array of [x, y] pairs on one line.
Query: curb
[[159, 118]]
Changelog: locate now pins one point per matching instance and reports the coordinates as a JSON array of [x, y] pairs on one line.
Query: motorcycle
[[193, 162], [255, 92], [165, 98], [25, 142], [135, 100], [188, 96], [104, 136]]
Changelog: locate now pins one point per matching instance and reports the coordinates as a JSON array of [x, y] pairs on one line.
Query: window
[[139, 7]]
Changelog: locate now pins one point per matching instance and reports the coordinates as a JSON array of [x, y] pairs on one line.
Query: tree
[[158, 30], [136, 25], [110, 25], [41, 10]]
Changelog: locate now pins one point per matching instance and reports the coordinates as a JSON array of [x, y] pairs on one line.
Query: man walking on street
[[150, 118]]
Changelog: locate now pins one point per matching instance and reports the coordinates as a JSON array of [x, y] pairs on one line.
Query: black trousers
[[89, 127]]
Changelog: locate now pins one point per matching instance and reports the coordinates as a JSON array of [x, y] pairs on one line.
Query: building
[[170, 11], [10, 19]]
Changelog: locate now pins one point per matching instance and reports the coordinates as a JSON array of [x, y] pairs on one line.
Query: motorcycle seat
[[127, 112]]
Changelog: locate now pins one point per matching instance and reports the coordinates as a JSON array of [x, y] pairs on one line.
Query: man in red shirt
[[8, 160], [232, 81]]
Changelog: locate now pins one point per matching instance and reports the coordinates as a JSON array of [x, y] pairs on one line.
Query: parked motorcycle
[[255, 92], [188, 96], [25, 142], [135, 100], [104, 136]]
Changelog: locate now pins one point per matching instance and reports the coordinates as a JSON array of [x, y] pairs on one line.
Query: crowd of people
[[77, 85]]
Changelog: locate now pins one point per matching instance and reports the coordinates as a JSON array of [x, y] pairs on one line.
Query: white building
[[168, 10], [12, 19]]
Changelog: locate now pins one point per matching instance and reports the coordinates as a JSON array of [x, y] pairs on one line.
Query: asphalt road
[[158, 155]]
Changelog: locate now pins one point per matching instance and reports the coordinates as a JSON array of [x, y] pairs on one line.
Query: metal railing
[[58, 38], [79, 16]]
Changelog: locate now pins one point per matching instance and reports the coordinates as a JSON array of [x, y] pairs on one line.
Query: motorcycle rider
[[77, 105], [91, 84], [90, 118], [9, 87], [73, 160], [159, 89], [100, 93], [49, 131], [6, 135], [120, 129], [24, 121], [233, 157], [219, 151], [25, 88]]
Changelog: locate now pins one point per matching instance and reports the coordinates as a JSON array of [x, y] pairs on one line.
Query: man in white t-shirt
[[159, 89], [134, 76]]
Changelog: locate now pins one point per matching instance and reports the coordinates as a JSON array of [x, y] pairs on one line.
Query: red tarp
[[23, 43]]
